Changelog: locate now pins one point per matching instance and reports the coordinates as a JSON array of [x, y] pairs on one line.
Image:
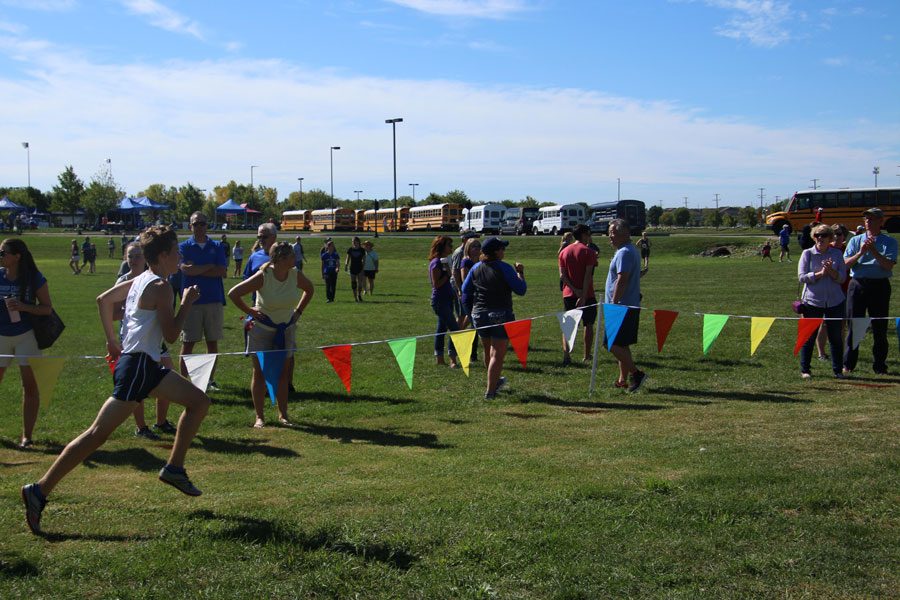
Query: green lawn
[[727, 476]]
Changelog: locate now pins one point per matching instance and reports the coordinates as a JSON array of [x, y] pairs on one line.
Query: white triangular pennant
[[199, 367], [568, 322], [858, 328]]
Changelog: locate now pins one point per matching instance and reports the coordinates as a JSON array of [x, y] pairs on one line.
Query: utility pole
[[815, 183], [717, 212], [875, 172], [761, 190]]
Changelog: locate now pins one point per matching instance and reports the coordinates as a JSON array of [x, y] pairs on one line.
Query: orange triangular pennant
[[664, 320], [339, 357], [805, 328], [519, 333]]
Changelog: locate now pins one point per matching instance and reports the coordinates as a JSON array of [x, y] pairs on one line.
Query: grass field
[[727, 476]]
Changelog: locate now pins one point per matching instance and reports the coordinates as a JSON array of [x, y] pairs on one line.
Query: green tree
[[158, 192], [528, 202], [667, 219], [729, 220], [102, 195], [778, 206], [433, 198], [68, 194], [28, 196], [749, 216], [653, 215], [682, 216], [712, 218], [188, 200], [455, 197]]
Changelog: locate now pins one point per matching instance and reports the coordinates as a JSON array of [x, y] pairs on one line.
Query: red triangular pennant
[[805, 328], [664, 320], [339, 357], [519, 333]]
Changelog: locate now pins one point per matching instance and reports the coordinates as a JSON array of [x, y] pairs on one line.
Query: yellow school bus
[[843, 206], [332, 219], [434, 217], [295, 220], [383, 219]]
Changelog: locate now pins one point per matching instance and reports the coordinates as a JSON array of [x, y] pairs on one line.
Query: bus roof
[[431, 206], [560, 206], [601, 205], [836, 190]]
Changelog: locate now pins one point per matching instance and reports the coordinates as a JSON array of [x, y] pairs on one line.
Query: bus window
[[843, 199], [870, 198], [801, 203], [856, 199], [895, 198], [830, 200]]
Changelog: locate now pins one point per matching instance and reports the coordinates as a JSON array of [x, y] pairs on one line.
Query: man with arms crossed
[[623, 286], [576, 270], [871, 257], [204, 265]]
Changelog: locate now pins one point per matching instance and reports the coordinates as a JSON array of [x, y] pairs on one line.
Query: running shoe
[[179, 481], [637, 380], [165, 427], [212, 385], [501, 383], [34, 506], [146, 433]]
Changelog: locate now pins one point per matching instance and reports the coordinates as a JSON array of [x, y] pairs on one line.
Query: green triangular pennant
[[712, 327], [405, 352]]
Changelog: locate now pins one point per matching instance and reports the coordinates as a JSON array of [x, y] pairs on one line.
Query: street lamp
[[251, 174], [300, 179], [413, 186], [333, 148], [27, 147], [875, 172], [393, 123], [357, 192]]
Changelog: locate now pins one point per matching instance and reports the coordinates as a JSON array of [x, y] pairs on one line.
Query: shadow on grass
[[522, 415], [264, 532], [380, 437], [13, 565], [40, 447], [211, 444], [339, 397], [93, 537], [763, 396], [138, 458], [454, 421], [607, 405]]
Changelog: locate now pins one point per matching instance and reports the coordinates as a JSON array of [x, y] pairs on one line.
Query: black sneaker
[[501, 383], [165, 427], [490, 395], [179, 481], [637, 380], [34, 506], [145, 433], [567, 360], [212, 385]]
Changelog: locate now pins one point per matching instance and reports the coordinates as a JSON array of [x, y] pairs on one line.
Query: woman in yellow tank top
[[282, 292]]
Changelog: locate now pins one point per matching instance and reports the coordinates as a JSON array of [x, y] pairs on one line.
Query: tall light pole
[[251, 174], [815, 183], [618, 188], [300, 179], [875, 172], [27, 147], [357, 192], [393, 124], [717, 212], [413, 186], [333, 148], [761, 193]]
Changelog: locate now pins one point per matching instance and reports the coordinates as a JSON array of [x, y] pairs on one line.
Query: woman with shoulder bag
[[26, 295]]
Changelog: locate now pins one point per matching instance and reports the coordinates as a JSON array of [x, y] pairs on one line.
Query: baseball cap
[[493, 244], [469, 235], [874, 212]]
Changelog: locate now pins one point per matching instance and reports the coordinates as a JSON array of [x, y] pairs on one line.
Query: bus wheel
[[534, 231], [553, 231], [893, 225], [779, 225]]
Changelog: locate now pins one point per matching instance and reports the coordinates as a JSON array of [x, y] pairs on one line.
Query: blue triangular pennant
[[613, 315], [271, 363]]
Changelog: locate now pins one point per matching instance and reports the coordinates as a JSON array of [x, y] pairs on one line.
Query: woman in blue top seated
[[488, 290], [26, 293]]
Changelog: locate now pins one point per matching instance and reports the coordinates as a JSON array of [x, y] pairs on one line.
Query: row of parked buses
[[486, 218], [433, 217]]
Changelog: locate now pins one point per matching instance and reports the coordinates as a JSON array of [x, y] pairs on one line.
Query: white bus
[[486, 218], [558, 219]]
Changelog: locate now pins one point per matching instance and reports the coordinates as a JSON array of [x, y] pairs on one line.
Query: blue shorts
[[493, 317], [136, 375]]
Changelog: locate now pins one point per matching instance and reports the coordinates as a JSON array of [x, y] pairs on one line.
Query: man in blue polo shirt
[[871, 257], [203, 264], [267, 234]]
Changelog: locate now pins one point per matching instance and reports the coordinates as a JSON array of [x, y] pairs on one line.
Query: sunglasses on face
[[198, 224], [820, 236], [262, 236]]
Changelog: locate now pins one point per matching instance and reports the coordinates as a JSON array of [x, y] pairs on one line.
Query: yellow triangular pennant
[[759, 327], [46, 372], [462, 340]]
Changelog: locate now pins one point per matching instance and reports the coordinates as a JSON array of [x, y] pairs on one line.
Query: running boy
[[149, 318]]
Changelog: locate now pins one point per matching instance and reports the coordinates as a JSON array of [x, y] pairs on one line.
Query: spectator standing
[[784, 240], [821, 270], [203, 265], [442, 296], [871, 258], [266, 235], [644, 245], [577, 262], [623, 286], [370, 268], [471, 257], [331, 261], [74, 258], [237, 254], [456, 278], [111, 246], [26, 295], [227, 248], [488, 288], [85, 251], [299, 259], [92, 258], [767, 251], [356, 258]]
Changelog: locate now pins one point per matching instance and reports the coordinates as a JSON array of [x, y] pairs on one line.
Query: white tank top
[[142, 330]]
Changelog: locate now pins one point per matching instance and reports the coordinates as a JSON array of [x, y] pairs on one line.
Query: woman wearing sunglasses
[[822, 271], [25, 291]]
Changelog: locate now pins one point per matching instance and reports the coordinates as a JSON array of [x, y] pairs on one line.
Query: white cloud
[[164, 17], [761, 22], [206, 122], [41, 5], [14, 28], [836, 61], [483, 9]]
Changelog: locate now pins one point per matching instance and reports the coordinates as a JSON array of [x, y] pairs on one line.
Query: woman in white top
[[282, 292]]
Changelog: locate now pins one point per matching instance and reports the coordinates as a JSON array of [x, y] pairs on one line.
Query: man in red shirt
[[576, 270]]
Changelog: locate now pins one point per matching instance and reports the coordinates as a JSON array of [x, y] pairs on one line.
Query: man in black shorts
[[577, 262]]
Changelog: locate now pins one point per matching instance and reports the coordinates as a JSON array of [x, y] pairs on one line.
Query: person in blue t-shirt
[[331, 262], [784, 240], [25, 294], [871, 257], [203, 264], [266, 236], [623, 286]]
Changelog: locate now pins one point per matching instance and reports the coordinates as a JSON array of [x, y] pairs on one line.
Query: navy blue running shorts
[[136, 375]]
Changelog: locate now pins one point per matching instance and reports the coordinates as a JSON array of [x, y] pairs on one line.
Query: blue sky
[[500, 98]]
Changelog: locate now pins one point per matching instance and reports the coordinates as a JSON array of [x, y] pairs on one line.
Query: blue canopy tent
[[7, 204], [230, 207], [145, 202]]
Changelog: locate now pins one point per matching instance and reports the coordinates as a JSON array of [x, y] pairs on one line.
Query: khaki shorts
[[262, 338], [22, 344], [204, 321]]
